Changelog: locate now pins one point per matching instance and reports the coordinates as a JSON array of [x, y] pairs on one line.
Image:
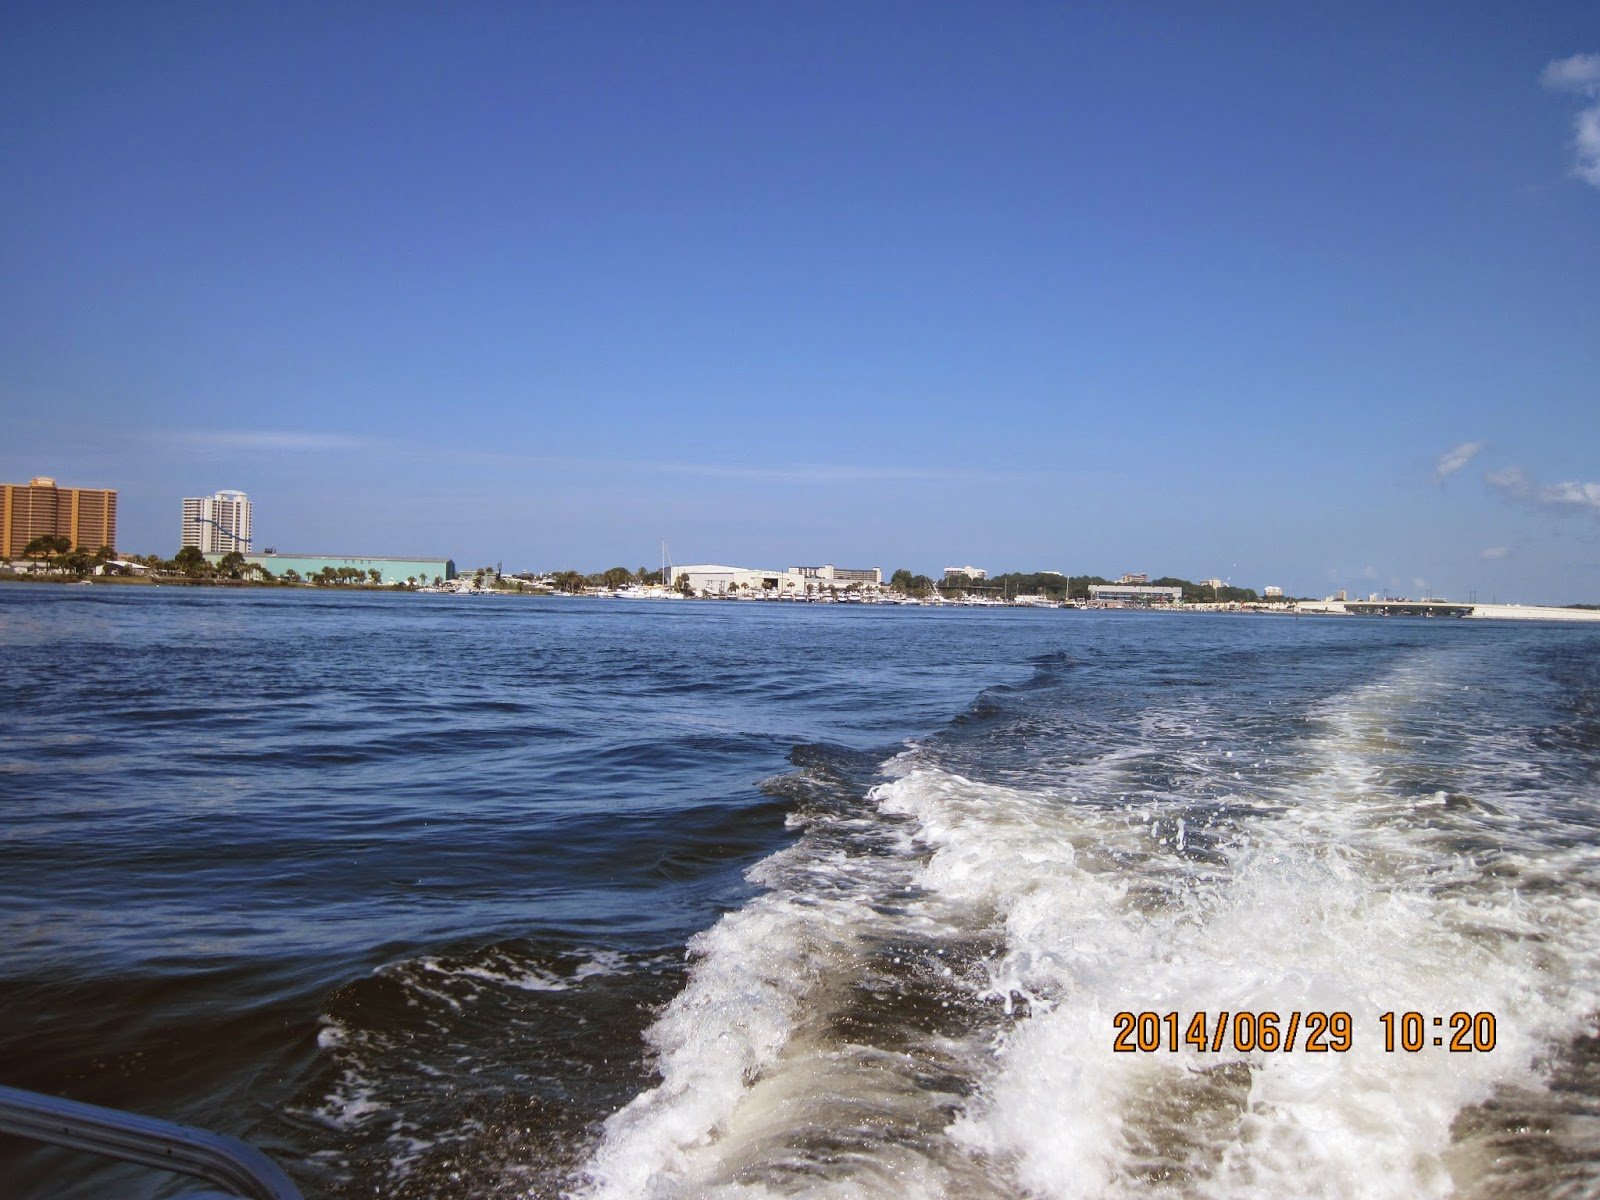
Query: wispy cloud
[[1494, 553], [221, 441], [778, 472], [1584, 497], [1512, 481], [1580, 75], [1454, 459], [217, 440], [1569, 496], [814, 473]]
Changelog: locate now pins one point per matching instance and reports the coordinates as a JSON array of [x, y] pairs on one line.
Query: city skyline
[[1288, 298], [222, 522]]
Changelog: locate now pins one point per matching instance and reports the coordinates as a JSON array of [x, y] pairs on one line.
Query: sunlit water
[[481, 897]]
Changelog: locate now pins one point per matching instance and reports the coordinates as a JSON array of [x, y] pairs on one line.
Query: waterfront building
[[390, 570], [832, 574], [969, 572], [708, 577], [217, 524], [1135, 577], [1272, 593], [716, 579], [1134, 593], [88, 516]]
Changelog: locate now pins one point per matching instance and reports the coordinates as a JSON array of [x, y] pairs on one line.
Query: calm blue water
[[460, 897]]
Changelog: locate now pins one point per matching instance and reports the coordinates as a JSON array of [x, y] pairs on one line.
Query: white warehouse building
[[717, 580], [839, 575], [1134, 593]]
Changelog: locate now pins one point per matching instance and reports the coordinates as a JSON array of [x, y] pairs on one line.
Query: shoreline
[[1476, 611]]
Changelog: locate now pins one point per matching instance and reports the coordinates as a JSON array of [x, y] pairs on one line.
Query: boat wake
[[921, 1002]]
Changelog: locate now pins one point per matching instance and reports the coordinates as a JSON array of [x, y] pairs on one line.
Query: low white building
[[840, 575], [969, 572], [1134, 593], [714, 579]]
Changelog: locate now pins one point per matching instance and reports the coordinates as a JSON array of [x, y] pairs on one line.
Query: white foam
[[529, 980], [754, 972], [1326, 908], [1326, 887]]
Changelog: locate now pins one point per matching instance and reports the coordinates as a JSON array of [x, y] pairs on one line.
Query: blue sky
[[1193, 290]]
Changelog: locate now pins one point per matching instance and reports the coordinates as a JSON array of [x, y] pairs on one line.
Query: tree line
[[57, 551], [613, 578], [1053, 586]]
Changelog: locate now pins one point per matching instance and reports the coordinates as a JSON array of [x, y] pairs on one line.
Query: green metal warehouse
[[390, 570]]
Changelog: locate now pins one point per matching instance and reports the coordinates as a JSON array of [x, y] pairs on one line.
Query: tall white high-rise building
[[217, 524]]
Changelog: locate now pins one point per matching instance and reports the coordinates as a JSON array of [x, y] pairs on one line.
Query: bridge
[[1408, 608], [1448, 608]]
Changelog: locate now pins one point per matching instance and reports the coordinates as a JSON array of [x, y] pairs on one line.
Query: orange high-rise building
[[28, 510]]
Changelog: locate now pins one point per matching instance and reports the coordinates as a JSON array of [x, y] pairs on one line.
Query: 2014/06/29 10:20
[[1309, 1032]]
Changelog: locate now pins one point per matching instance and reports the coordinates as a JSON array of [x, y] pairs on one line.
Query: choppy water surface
[[483, 897]]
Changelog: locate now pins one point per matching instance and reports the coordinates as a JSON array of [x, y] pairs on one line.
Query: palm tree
[[47, 545], [190, 561]]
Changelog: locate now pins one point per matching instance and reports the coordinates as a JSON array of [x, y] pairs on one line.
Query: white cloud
[[1494, 553], [1454, 459], [1586, 141], [1583, 496], [1580, 74], [1510, 480], [1569, 496]]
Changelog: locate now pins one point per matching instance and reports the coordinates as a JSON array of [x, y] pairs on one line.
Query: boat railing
[[224, 1162]]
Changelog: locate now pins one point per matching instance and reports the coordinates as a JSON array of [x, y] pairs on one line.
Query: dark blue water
[[418, 891]]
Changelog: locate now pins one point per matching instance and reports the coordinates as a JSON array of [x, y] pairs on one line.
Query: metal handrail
[[224, 1161]]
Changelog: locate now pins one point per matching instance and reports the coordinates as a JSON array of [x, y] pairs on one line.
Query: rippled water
[[474, 897]]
